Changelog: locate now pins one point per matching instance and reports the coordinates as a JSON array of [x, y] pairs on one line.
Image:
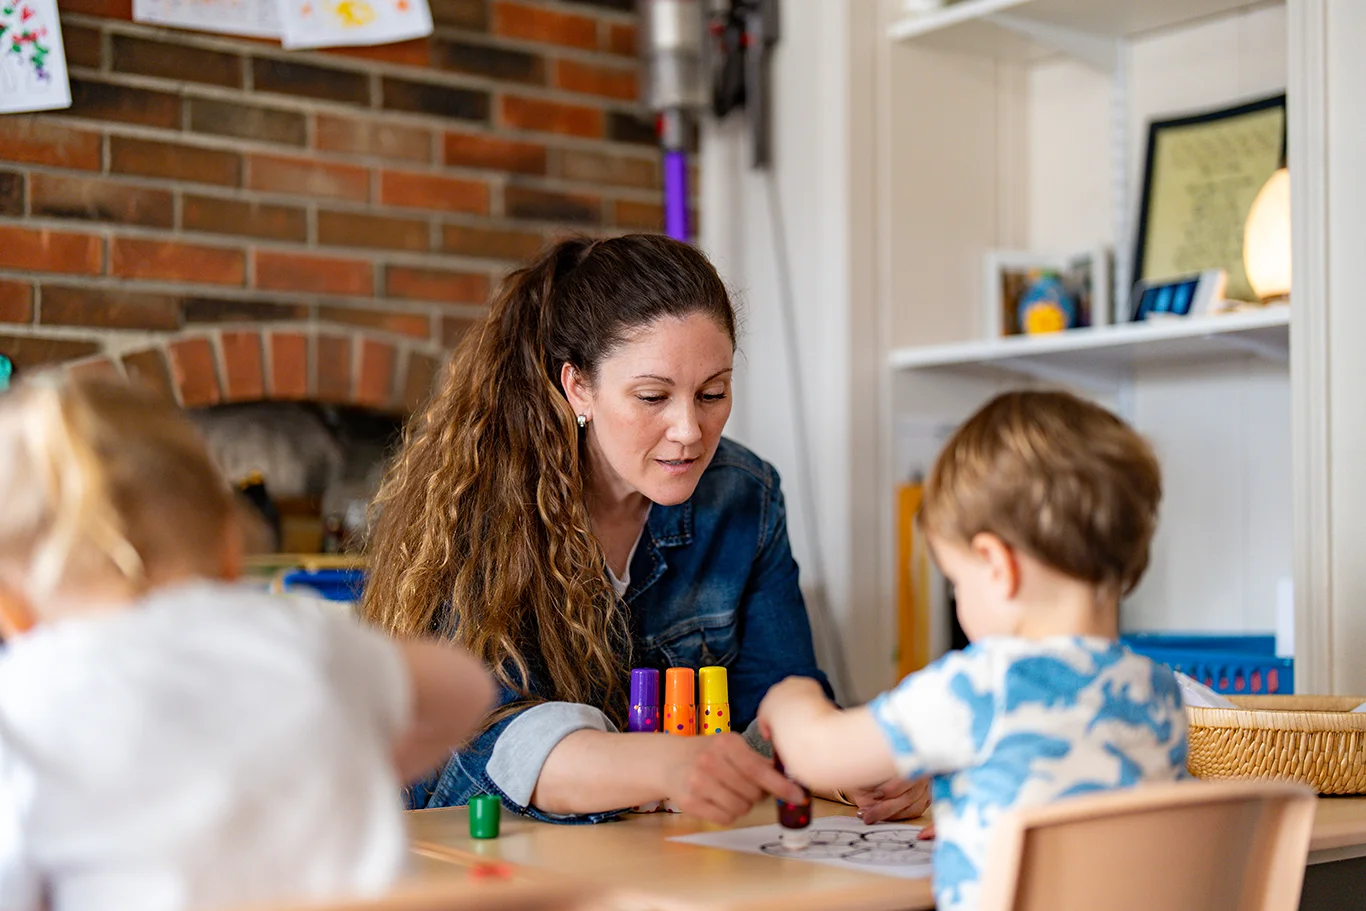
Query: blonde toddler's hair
[[101, 482]]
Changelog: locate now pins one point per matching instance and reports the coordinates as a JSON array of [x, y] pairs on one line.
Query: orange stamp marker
[[680, 709]]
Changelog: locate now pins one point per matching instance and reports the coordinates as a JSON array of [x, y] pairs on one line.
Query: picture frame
[[1201, 173], [1087, 275], [1183, 297]]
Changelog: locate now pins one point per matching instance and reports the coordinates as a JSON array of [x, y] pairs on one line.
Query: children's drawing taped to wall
[[338, 23], [253, 18], [32, 62]]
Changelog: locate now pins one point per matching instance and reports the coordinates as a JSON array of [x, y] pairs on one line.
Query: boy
[[1040, 511]]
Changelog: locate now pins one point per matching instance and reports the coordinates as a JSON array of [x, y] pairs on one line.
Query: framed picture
[[1030, 293], [1196, 295], [1201, 175]]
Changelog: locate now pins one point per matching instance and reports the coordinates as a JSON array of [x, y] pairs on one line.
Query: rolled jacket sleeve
[[521, 750], [506, 760]]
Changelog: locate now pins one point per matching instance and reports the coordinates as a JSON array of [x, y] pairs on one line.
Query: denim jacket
[[712, 582]]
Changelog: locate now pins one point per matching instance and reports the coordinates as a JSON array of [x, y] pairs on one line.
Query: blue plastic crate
[[332, 584], [1244, 643], [1227, 672]]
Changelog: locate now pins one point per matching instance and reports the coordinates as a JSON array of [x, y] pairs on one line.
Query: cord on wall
[[819, 609]]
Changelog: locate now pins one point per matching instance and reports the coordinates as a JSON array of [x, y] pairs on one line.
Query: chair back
[[1180, 846]]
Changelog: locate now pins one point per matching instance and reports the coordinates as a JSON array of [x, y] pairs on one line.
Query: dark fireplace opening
[[310, 469]]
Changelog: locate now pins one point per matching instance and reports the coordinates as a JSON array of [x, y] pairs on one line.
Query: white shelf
[[1028, 30], [1105, 357]]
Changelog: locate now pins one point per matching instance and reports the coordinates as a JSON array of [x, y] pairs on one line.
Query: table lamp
[[1266, 240]]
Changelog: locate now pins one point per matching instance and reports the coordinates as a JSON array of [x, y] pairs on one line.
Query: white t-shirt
[[214, 746], [621, 585]]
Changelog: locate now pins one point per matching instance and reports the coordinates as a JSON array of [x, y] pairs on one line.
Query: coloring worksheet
[[335, 23], [839, 841], [32, 64], [255, 18]]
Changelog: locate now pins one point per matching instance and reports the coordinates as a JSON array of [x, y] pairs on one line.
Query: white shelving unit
[[1025, 31], [1104, 358], [1018, 124]]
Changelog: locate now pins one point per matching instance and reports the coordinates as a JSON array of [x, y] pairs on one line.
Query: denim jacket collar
[[666, 526], [671, 526]]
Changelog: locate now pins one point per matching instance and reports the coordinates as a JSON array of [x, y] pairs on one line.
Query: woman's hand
[[719, 778], [892, 800]]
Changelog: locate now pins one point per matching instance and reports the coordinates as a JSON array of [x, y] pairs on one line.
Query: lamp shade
[[1266, 239]]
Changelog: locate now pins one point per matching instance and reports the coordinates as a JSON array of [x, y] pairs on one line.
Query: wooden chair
[[1183, 846]]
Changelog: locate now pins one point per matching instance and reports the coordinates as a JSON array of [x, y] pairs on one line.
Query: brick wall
[[230, 222]]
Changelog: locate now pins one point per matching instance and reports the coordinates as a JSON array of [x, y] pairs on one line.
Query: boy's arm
[[821, 745], [451, 694], [934, 721]]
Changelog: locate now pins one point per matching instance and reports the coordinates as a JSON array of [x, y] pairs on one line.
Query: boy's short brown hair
[[1053, 475]]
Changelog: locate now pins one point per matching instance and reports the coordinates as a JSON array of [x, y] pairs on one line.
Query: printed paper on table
[[891, 849]]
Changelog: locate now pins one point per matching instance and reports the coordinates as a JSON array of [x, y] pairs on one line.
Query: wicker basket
[[1315, 740]]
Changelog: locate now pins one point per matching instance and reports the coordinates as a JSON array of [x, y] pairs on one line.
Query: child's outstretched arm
[[451, 694], [822, 746]]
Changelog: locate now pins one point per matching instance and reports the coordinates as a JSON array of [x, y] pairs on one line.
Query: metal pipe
[[676, 193], [674, 88]]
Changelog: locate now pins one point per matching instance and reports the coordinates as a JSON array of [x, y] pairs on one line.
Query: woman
[[566, 508]]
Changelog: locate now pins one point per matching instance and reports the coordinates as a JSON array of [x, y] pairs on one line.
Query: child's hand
[[786, 701], [893, 800], [821, 745], [451, 693]]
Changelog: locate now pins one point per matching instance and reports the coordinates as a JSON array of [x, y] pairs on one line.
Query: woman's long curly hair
[[482, 532]]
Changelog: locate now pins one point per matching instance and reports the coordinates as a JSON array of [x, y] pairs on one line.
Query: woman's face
[[656, 411]]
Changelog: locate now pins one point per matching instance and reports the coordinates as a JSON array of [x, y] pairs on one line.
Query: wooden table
[[1339, 830], [1336, 877], [633, 856]]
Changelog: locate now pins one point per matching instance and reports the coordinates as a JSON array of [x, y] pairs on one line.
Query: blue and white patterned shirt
[[1008, 722]]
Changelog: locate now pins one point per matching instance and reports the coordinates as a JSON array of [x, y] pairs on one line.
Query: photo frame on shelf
[[1194, 296], [1200, 176], [1082, 280]]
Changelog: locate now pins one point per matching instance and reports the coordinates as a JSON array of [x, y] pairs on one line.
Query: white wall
[[1224, 542], [818, 112]]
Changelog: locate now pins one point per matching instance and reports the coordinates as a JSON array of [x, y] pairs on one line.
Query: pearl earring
[[583, 421]]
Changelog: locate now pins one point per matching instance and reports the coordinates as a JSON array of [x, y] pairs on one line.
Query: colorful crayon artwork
[[32, 60]]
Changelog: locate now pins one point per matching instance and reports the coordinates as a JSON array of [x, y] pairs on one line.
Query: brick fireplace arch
[[203, 367], [385, 371]]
